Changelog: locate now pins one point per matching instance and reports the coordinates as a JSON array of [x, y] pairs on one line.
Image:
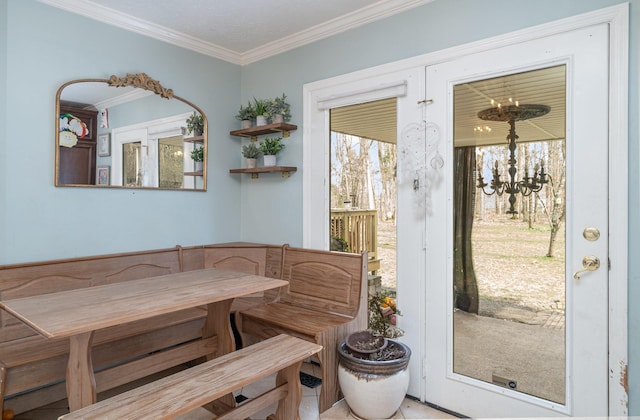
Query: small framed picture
[[104, 145], [102, 177]]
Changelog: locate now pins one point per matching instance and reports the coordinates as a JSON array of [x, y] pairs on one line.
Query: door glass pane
[[363, 187], [132, 164], [509, 240], [170, 162]]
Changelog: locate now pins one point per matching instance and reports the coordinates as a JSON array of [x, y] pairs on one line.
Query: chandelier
[[528, 184]]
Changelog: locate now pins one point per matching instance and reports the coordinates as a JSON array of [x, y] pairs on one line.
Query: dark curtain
[[464, 276]]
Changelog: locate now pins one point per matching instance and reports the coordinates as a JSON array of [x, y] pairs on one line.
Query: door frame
[[384, 81]]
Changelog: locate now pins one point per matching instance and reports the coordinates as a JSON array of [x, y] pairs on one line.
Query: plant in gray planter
[[372, 373], [279, 109], [197, 154], [195, 124], [261, 111], [250, 152], [245, 115], [270, 147]]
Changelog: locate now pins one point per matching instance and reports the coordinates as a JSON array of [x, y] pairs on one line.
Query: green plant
[[271, 145], [279, 105], [382, 315], [260, 107], [250, 151], [195, 124], [245, 113], [198, 154]]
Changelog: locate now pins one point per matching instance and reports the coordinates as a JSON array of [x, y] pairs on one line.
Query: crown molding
[[376, 11], [372, 13], [112, 17]]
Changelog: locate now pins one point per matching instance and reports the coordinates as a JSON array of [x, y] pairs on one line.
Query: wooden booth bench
[[325, 300], [184, 391]]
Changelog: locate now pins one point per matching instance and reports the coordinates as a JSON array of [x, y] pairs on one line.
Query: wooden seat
[[325, 300], [184, 391]]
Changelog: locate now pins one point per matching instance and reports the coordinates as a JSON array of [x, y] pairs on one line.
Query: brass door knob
[[589, 263]]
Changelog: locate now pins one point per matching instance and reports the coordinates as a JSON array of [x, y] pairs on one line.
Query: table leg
[[218, 323], [81, 384]]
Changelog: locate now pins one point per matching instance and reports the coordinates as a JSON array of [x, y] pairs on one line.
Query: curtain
[[464, 277]]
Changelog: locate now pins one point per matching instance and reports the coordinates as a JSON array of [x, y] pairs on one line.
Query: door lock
[[589, 263]]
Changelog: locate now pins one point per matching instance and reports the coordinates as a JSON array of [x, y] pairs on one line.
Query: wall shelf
[[260, 130], [255, 172], [193, 139]]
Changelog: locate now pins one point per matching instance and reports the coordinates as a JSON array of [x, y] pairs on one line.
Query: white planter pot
[[373, 390], [198, 166], [245, 124], [261, 120], [278, 118], [250, 162], [269, 160]]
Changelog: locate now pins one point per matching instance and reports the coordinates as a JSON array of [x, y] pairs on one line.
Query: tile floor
[[410, 409]]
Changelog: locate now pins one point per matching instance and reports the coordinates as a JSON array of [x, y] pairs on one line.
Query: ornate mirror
[[128, 132]]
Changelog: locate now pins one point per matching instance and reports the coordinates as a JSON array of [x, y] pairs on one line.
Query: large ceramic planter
[[373, 389]]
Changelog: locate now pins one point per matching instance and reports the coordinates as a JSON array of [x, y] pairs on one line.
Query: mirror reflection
[[128, 132]]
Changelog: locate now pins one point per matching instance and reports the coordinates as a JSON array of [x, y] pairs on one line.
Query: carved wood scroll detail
[[141, 80]]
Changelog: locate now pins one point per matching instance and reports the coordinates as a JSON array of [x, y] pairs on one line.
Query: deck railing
[[359, 229]]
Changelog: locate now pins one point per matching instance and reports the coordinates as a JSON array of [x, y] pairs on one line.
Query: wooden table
[[78, 313]]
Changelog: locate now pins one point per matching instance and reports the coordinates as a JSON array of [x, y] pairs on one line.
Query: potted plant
[[279, 109], [195, 124], [270, 147], [245, 115], [260, 111], [197, 154], [372, 372], [250, 152]]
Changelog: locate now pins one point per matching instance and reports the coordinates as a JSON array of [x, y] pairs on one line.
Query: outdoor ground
[[512, 269]]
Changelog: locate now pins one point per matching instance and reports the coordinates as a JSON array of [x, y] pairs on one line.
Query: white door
[[582, 365]]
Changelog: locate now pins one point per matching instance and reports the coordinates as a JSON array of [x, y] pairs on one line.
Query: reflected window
[[132, 164], [170, 162]]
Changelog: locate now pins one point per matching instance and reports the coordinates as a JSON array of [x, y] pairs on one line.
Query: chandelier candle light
[[529, 184]]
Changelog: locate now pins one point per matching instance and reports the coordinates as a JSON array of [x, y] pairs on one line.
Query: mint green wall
[[45, 47], [432, 27], [3, 125]]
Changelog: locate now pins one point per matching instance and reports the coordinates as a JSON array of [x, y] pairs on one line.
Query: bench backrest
[[258, 259], [30, 279], [326, 281]]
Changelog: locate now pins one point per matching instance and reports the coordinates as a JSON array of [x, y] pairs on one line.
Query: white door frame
[[373, 83]]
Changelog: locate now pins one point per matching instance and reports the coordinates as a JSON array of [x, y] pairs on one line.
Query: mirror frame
[[142, 81]]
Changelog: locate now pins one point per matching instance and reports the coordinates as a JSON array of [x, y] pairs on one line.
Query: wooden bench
[[32, 368], [326, 299], [184, 391]]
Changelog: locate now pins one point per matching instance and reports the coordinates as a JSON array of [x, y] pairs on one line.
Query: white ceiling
[[239, 31]]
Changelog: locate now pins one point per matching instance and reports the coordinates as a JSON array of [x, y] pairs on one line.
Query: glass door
[[516, 300]]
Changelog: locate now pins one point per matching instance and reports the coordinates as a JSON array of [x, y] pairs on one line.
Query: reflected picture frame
[[104, 145], [103, 175]]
